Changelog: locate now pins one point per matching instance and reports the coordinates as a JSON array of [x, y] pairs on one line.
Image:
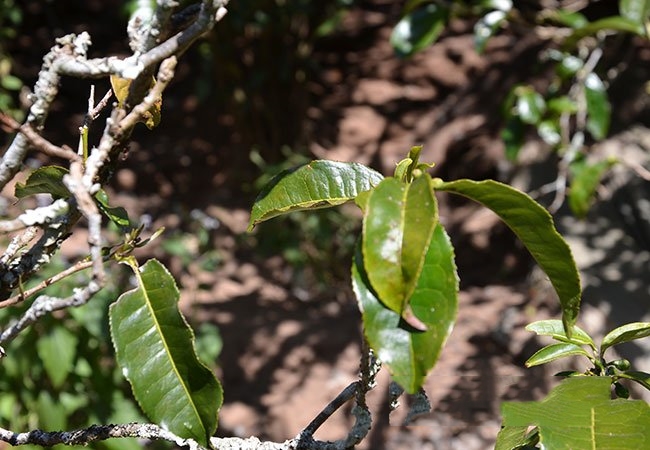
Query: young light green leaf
[[585, 178], [555, 329], [534, 226], [411, 354], [58, 350], [155, 349], [579, 414], [553, 352], [44, 180], [418, 29], [319, 184], [599, 110], [397, 227], [636, 10], [615, 23], [626, 333]]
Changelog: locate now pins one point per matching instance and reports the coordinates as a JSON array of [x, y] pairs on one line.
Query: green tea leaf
[[418, 29], [598, 108], [635, 10], [411, 354], [530, 105], [155, 349], [486, 27], [553, 352], [397, 227], [44, 180], [117, 215], [555, 329], [626, 333], [510, 438], [534, 226], [579, 414], [513, 136], [58, 350], [585, 178], [643, 378], [614, 23], [319, 184]]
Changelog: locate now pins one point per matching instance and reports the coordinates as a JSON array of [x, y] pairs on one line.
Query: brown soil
[[290, 344]]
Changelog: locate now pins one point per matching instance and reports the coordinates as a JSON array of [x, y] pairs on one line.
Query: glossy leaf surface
[[319, 184], [410, 354], [530, 105], [599, 110], [555, 329], [534, 226], [419, 29], [44, 180], [115, 214], [553, 352], [398, 223], [579, 414], [625, 333], [155, 349]]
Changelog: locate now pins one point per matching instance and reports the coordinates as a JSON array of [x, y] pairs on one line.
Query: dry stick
[[36, 140], [81, 265]]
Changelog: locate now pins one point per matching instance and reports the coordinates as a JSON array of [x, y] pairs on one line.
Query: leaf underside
[[534, 226]]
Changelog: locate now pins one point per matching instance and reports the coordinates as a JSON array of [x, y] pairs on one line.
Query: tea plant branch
[[78, 267], [369, 367], [36, 140]]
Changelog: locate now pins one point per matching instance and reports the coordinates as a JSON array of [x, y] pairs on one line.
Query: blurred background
[[281, 82]]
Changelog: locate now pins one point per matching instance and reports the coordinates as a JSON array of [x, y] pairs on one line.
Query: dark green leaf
[[513, 137], [553, 352], [57, 350], [117, 215], [397, 227], [410, 354], [585, 179], [579, 414], [642, 378], [635, 10], [510, 438], [598, 107], [530, 105], [418, 29], [44, 180], [555, 329], [155, 349], [626, 333], [486, 27], [534, 226], [319, 184]]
